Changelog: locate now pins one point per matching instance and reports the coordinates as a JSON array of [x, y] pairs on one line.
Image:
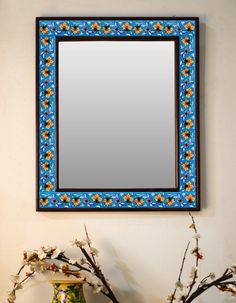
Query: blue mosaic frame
[[186, 197]]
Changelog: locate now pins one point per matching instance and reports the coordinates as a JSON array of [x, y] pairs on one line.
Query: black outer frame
[[197, 93]]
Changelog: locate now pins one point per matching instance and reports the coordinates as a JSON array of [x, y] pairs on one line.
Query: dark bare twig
[[181, 271], [217, 283], [98, 273]]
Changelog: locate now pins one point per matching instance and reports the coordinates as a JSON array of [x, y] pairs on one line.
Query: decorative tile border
[[188, 195]]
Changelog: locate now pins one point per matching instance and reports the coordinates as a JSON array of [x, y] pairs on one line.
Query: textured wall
[[141, 252]]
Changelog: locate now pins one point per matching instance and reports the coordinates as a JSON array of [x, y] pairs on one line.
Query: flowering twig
[[178, 284], [223, 283], [197, 254], [53, 259]]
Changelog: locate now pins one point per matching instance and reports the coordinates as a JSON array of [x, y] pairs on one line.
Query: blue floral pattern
[[186, 197]]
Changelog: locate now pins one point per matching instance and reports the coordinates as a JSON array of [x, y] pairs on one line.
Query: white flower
[[56, 253], [196, 236], [193, 272], [11, 297], [41, 254], [171, 298], [72, 261], [15, 279], [38, 266], [78, 243], [29, 256], [97, 288], [83, 261], [212, 275], [179, 285], [94, 251], [92, 280], [48, 248]]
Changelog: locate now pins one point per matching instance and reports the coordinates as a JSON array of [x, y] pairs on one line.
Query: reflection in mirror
[[117, 114]]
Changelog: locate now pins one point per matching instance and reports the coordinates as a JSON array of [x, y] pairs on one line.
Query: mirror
[[117, 113], [115, 97]]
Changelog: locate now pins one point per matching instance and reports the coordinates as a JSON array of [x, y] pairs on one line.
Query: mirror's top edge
[[117, 18]]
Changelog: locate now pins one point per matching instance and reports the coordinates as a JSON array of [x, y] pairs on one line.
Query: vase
[[66, 291]]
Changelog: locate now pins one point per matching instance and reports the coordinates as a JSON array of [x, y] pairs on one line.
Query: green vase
[[68, 292]]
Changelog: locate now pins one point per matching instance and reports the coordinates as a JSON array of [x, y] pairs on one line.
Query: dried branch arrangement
[[50, 258], [194, 288], [87, 270]]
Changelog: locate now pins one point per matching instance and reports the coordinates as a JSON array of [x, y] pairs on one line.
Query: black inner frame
[[121, 38]]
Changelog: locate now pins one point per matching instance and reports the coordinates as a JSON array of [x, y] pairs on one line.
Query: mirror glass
[[117, 114]]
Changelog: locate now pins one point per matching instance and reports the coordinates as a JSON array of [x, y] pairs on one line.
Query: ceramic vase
[[68, 291]]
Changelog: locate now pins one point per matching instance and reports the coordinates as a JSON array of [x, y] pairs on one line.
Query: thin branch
[[98, 273], [217, 283], [89, 245], [195, 275], [63, 258], [181, 271]]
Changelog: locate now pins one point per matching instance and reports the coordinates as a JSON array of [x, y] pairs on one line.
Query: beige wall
[[140, 252]]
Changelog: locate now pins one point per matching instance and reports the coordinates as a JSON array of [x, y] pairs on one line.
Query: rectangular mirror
[[114, 98], [117, 113]]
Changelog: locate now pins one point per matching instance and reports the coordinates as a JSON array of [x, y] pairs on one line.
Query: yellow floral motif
[[186, 134], [67, 292], [159, 198], [48, 155], [169, 29], [186, 166], [76, 201], [45, 103], [189, 26], [49, 61], [75, 29], [188, 61], [186, 40], [107, 201], [45, 166], [65, 198], [48, 123], [43, 201], [48, 186], [46, 40], [106, 29], [158, 26], [128, 198], [188, 155], [126, 26], [96, 198], [170, 201], [95, 26], [46, 72], [186, 103], [189, 186], [43, 29], [45, 134], [48, 92], [190, 198], [185, 72], [189, 123], [138, 201], [138, 29], [64, 26], [188, 92]]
